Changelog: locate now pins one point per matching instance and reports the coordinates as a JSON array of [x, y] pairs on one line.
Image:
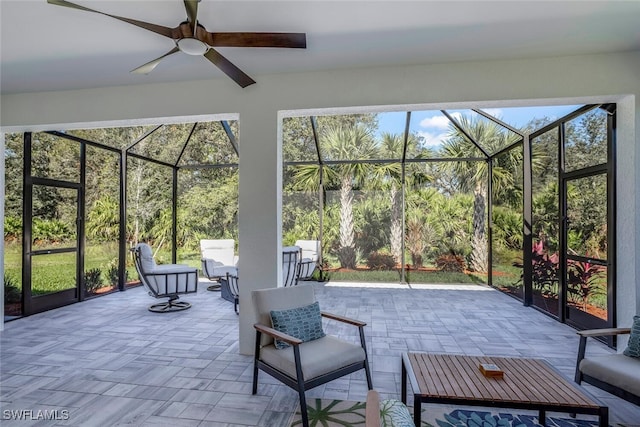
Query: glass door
[[586, 263], [52, 252]]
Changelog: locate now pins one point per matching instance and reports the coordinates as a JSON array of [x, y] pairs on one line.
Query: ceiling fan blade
[[228, 68], [192, 12], [149, 66], [292, 40], [158, 29]]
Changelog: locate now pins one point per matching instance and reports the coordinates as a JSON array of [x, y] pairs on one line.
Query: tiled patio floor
[[109, 361]]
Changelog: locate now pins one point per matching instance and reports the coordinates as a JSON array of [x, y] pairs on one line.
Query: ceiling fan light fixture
[[192, 46]]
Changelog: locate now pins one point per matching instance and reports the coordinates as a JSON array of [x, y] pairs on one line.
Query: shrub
[[12, 292], [112, 272], [380, 261], [92, 280], [12, 228], [450, 263]]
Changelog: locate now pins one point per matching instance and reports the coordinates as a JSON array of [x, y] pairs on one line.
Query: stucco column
[[627, 218], [259, 202]]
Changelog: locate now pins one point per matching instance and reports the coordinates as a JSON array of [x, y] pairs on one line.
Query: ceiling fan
[[192, 38]]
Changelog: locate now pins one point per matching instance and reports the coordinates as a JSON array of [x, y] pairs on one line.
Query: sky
[[434, 126]]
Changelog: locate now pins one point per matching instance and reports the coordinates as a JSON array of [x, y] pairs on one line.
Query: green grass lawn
[[393, 276], [55, 272]]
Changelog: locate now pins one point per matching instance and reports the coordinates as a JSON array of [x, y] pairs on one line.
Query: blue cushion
[[633, 348], [395, 413], [304, 323]]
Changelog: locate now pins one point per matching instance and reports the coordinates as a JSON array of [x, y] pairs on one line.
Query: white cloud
[[433, 139], [438, 122]]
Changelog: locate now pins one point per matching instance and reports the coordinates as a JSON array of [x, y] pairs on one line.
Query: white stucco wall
[[574, 79]]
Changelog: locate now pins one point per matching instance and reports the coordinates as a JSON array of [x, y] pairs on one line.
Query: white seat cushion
[[318, 357], [171, 268], [615, 369]]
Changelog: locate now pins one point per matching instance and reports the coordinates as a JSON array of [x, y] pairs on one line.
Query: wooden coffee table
[[527, 384]]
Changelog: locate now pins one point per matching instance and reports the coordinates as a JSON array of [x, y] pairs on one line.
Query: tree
[[472, 176], [390, 176], [103, 220], [342, 143]]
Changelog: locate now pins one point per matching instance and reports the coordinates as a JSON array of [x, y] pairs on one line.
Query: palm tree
[[390, 178], [472, 176], [342, 143], [390, 175]]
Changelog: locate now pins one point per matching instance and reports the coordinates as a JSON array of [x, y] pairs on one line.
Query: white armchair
[[165, 281], [310, 256], [218, 258]]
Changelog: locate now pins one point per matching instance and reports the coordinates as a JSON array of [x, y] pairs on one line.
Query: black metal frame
[[292, 274], [230, 291], [49, 301], [298, 383], [31, 304], [581, 320], [172, 304], [525, 142]]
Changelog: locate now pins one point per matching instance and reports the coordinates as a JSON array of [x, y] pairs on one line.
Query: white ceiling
[[46, 47]]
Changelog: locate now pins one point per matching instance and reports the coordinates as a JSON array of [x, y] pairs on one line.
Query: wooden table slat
[[525, 380], [472, 385], [537, 393], [513, 389]]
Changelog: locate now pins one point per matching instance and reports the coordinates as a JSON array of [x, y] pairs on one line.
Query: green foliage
[[103, 220], [92, 280], [12, 228], [380, 260], [112, 272], [372, 220], [392, 276], [507, 227], [12, 292], [51, 230]]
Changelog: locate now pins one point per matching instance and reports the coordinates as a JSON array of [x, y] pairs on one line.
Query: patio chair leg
[[366, 359], [256, 354], [300, 380], [303, 408]]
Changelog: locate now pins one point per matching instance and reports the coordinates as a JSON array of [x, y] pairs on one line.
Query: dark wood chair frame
[[579, 376], [299, 383]]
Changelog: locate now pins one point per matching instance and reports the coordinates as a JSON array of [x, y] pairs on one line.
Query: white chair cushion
[[146, 257], [217, 269], [318, 357], [222, 251], [615, 369], [171, 268], [310, 249]]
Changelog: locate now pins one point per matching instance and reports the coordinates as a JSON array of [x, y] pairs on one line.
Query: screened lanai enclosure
[[523, 203], [77, 201], [515, 198]]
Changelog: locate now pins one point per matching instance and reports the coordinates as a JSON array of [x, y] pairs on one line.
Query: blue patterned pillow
[[304, 323], [395, 413], [633, 347]]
